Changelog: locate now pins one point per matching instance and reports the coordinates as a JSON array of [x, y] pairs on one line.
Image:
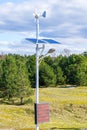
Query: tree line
[[17, 73]]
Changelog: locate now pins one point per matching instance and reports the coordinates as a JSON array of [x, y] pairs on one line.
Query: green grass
[[68, 109]]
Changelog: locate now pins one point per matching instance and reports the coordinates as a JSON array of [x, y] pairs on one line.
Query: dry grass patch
[[68, 109]]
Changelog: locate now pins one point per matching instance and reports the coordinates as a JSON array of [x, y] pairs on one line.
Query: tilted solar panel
[[34, 40], [51, 41]]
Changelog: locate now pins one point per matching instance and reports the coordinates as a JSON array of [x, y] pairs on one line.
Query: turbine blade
[[44, 14]]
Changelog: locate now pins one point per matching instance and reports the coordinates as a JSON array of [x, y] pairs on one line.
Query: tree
[[9, 77], [15, 78], [1, 73], [85, 53], [23, 83], [49, 60], [47, 76], [60, 77], [76, 70], [31, 66]]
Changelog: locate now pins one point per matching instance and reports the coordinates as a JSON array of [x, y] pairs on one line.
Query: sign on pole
[[41, 113]]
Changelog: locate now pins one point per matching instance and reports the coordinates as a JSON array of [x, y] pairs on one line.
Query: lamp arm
[[43, 47]]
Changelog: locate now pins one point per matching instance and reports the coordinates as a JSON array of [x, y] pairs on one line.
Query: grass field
[[68, 109]]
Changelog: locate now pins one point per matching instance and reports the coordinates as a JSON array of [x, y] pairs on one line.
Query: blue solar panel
[[51, 41], [34, 40]]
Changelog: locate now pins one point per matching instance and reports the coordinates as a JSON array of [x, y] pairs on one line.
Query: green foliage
[[9, 76], [1, 73], [60, 77], [74, 69], [31, 66], [47, 76], [14, 78], [49, 61], [17, 73], [77, 69], [23, 83]]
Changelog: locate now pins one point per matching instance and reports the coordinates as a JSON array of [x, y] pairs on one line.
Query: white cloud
[[66, 20], [18, 47]]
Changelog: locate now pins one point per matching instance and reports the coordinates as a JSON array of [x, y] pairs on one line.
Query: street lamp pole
[[37, 60], [37, 17], [45, 107], [37, 63]]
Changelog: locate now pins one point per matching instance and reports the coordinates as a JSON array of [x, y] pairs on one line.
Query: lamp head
[[51, 50]]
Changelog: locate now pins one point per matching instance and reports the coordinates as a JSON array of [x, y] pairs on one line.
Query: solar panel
[[34, 40], [51, 41]]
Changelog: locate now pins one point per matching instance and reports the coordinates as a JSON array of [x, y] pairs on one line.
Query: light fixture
[[51, 50]]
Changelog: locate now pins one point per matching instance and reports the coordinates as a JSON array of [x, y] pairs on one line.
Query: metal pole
[[37, 65]]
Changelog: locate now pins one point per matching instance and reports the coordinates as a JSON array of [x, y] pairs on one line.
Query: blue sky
[[66, 22]]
